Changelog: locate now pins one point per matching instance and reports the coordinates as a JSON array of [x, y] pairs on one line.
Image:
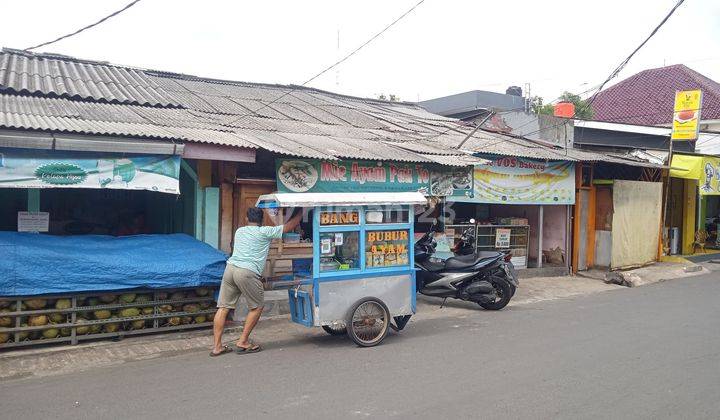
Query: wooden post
[[226, 217]]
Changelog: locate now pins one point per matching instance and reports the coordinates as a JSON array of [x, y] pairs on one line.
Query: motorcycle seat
[[466, 261]]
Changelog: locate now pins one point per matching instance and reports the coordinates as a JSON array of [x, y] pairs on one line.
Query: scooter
[[484, 277]]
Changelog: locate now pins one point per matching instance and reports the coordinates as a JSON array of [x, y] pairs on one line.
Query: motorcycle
[[487, 278]]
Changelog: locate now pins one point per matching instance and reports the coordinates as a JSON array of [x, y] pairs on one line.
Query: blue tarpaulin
[[33, 264]]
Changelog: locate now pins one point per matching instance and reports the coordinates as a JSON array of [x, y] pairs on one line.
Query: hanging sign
[[502, 238], [513, 180], [40, 169], [686, 117], [33, 221], [369, 176]]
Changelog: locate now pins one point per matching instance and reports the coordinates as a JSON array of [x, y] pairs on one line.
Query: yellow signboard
[[706, 169], [686, 117]]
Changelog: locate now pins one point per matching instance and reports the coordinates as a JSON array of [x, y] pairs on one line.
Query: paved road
[[650, 352]]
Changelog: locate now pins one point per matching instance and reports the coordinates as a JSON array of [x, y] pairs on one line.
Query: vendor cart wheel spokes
[[368, 322], [336, 328]]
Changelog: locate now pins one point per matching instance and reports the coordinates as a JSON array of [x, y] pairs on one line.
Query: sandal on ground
[[224, 350], [254, 348]]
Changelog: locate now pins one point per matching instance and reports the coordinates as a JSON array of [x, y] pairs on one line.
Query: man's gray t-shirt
[[252, 244]]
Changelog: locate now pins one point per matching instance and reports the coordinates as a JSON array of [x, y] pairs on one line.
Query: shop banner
[[686, 116], [40, 169], [511, 180], [367, 176], [706, 169]]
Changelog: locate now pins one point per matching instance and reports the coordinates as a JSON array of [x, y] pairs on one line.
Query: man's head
[[255, 215]]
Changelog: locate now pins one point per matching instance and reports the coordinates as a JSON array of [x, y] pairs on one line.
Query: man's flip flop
[[224, 350], [254, 348]]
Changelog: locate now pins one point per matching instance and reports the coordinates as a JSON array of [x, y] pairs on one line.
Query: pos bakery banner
[[294, 175], [511, 180], [38, 169]]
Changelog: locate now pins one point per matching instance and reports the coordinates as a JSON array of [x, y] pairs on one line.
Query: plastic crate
[[301, 307]]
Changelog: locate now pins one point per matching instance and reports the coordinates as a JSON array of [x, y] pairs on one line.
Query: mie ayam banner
[[40, 169], [295, 175], [512, 180]]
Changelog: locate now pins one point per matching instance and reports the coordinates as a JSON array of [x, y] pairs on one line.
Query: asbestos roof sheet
[[24, 72], [291, 120]]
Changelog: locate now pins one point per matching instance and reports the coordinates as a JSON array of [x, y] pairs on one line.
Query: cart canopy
[[33, 264], [339, 199]]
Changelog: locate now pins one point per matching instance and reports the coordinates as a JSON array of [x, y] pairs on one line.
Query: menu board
[[386, 248]]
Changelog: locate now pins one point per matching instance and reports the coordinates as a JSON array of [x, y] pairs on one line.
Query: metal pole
[[667, 195], [540, 236]]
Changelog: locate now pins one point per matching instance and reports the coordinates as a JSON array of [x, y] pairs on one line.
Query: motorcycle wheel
[[503, 292], [335, 329]]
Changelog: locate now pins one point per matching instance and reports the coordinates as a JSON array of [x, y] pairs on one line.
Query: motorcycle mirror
[[472, 221]]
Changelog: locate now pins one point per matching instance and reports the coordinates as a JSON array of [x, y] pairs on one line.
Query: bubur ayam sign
[[294, 175]]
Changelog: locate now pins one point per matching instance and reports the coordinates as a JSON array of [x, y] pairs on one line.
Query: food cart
[[361, 281]]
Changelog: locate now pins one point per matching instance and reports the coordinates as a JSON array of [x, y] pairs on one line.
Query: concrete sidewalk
[[654, 273], [274, 331]]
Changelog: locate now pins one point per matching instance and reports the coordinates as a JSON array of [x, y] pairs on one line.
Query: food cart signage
[[705, 169], [686, 116], [40, 169], [339, 218], [513, 180], [502, 238], [295, 175]]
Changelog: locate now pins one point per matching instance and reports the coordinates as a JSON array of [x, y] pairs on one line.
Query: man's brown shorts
[[238, 281]]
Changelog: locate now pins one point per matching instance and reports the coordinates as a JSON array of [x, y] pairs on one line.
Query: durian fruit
[[35, 304], [138, 324], [202, 291], [57, 318], [4, 337], [127, 298], [51, 333], [200, 319], [37, 320], [107, 298], [63, 304], [111, 328], [128, 312], [174, 321], [5, 321], [102, 314]]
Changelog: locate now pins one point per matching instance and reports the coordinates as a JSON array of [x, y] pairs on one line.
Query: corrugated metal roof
[[289, 120], [25, 72]]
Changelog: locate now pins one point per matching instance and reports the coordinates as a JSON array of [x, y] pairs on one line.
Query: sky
[[443, 47]]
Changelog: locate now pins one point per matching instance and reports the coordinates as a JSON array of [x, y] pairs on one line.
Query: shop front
[[307, 176], [519, 204], [693, 209], [90, 244]]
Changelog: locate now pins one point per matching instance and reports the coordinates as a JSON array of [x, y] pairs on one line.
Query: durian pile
[[84, 318]]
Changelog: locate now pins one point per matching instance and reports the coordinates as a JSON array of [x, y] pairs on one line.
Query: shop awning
[[338, 199], [705, 169], [80, 143]]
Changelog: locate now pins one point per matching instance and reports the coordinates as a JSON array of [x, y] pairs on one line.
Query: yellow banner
[[706, 169], [686, 118]]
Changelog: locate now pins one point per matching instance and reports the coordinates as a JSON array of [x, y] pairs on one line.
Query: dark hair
[[255, 215]]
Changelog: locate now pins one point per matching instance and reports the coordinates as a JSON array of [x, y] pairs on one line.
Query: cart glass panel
[[387, 215], [339, 251], [386, 248]]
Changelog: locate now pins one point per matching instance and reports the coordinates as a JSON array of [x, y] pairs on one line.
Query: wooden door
[[248, 192]]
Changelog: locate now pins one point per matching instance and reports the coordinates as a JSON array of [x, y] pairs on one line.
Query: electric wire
[[92, 25], [332, 66]]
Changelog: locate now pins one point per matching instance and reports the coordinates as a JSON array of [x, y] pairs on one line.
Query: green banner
[[295, 175], [45, 169]]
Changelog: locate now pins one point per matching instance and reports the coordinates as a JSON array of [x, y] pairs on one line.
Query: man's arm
[[293, 222]]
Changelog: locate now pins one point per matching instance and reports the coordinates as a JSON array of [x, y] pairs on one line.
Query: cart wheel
[[368, 322], [336, 328]]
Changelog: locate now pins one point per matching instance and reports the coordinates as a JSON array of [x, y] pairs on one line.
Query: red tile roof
[[647, 98]]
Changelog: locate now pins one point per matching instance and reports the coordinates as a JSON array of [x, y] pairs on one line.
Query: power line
[[113, 14], [337, 63], [622, 65]]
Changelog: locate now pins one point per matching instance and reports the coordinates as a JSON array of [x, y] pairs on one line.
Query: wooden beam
[[204, 170], [226, 216]]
